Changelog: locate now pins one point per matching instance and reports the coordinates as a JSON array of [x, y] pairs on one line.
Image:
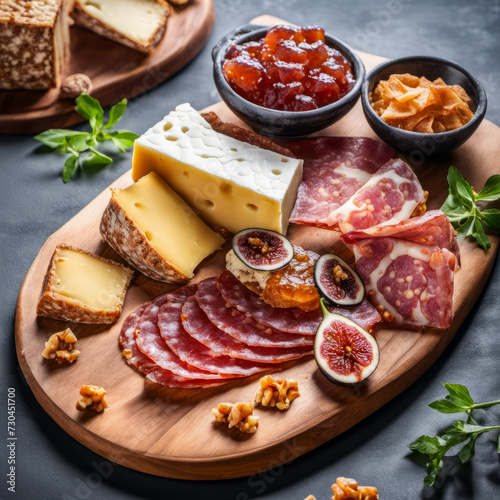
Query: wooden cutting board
[[171, 432], [116, 71]]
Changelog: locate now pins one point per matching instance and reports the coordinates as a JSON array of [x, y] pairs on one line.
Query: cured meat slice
[[197, 324], [390, 196], [293, 319], [152, 371], [240, 326], [193, 352], [413, 281], [150, 342], [334, 169]]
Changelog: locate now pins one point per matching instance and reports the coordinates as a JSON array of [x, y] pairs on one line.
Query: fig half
[[262, 249], [345, 352], [337, 281]]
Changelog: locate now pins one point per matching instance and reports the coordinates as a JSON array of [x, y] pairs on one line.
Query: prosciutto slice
[[291, 319], [334, 169], [390, 196], [408, 268]]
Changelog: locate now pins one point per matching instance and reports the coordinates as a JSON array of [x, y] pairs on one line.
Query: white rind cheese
[[230, 183]]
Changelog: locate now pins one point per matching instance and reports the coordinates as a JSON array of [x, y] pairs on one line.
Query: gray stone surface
[[35, 203]]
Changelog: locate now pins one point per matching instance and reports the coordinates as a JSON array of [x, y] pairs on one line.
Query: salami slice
[[391, 195], [152, 371], [193, 352], [334, 169], [150, 342], [197, 324], [292, 319], [240, 326]]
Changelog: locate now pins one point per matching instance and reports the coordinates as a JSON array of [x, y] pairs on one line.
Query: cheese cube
[[154, 230], [34, 43], [83, 288], [230, 183]]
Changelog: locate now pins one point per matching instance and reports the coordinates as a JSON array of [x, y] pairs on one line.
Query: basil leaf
[[467, 451], [91, 109], [446, 406], [480, 236], [491, 190], [57, 136], [491, 218], [465, 229], [459, 394], [70, 167], [428, 445], [498, 445], [96, 158], [460, 187], [454, 209], [78, 143], [115, 113], [123, 139]]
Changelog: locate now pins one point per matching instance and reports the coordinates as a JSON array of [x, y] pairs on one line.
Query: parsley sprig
[[435, 447], [464, 207], [75, 142]]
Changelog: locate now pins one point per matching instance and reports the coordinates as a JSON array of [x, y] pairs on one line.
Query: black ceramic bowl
[[276, 122], [420, 145]]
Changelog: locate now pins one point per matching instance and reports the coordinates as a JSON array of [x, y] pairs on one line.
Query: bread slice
[[138, 24], [83, 288]]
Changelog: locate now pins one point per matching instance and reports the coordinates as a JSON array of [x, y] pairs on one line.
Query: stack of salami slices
[[216, 331]]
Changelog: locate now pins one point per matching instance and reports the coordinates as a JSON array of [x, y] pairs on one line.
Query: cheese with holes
[[34, 43], [154, 230], [230, 183], [138, 24], [83, 288]]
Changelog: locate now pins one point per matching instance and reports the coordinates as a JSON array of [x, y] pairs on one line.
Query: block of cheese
[[34, 43], [154, 230], [83, 288], [139, 24], [229, 183]]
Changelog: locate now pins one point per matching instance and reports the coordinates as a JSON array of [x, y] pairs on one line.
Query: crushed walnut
[[339, 275], [92, 398], [346, 489], [61, 347], [73, 85], [310, 497], [279, 393], [237, 415], [258, 243]]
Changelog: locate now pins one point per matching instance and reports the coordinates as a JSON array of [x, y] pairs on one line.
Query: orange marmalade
[[290, 69]]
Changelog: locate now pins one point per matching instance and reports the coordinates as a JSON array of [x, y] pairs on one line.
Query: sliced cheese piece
[[230, 183], [83, 288], [139, 24], [154, 230]]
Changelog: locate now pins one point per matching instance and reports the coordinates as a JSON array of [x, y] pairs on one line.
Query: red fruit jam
[[290, 69]]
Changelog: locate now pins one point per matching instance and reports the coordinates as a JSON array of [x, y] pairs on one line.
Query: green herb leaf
[[122, 139], [498, 444], [96, 158], [57, 136], [70, 167], [491, 190], [428, 445], [115, 113], [460, 187], [491, 218], [91, 109], [480, 236]]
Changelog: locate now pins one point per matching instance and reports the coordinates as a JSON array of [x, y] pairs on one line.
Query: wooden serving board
[[116, 71], [171, 432]]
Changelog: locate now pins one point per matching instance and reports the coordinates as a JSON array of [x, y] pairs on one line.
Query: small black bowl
[[276, 122], [420, 145]]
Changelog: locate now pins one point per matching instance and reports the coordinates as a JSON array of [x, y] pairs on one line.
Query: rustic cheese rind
[[57, 306], [103, 17], [34, 41]]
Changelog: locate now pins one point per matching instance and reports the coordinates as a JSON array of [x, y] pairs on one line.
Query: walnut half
[[92, 398], [237, 415], [345, 488], [61, 346], [279, 393]]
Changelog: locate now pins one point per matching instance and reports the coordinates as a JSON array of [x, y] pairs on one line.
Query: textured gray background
[[35, 203]]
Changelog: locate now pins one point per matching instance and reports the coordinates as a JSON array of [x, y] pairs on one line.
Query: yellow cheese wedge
[[83, 288], [154, 230]]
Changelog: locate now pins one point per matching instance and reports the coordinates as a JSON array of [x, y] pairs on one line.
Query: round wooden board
[[116, 71], [171, 432]]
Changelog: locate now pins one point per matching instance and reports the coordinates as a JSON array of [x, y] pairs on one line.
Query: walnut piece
[[237, 415], [73, 85], [279, 393], [310, 497], [345, 488], [92, 398], [61, 346]]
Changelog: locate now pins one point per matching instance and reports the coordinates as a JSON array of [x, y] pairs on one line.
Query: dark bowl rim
[[346, 51], [479, 112]]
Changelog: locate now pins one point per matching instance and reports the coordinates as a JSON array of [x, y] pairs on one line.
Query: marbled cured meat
[[197, 324], [241, 326], [391, 195], [410, 272], [334, 169], [292, 319]]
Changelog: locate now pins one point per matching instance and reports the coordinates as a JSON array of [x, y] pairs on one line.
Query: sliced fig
[[345, 352], [262, 249], [337, 281]]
